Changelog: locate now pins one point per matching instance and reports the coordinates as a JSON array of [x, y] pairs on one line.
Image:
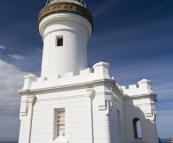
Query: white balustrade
[[81, 2]]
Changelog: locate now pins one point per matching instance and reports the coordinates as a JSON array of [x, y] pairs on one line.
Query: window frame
[[56, 128]]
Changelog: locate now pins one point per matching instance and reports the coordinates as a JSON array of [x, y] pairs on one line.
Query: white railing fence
[[82, 2]]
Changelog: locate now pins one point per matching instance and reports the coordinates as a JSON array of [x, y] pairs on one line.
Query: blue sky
[[135, 37]]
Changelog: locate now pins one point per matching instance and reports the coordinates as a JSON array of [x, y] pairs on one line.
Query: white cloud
[[11, 80], [2, 47], [16, 57]]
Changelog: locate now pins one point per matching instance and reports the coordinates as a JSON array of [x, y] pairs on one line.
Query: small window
[[60, 122], [60, 41]]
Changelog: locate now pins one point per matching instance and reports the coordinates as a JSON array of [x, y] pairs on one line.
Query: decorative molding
[[90, 93], [39, 89], [104, 101], [23, 108], [147, 95], [31, 99], [65, 7], [25, 104], [151, 115]]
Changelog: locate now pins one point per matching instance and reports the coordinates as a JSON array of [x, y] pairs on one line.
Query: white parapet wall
[[143, 88], [101, 71]]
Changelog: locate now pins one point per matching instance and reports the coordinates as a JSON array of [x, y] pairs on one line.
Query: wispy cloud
[[2, 47], [164, 123], [155, 9], [132, 34], [16, 57], [104, 6], [10, 82], [162, 82], [164, 105]]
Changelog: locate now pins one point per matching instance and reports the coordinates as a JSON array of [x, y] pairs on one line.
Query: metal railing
[[81, 2]]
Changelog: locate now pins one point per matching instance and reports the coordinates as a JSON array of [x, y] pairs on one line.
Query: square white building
[[71, 103]]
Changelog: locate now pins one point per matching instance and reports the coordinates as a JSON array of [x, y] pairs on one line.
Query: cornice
[[58, 7], [146, 95], [91, 83]]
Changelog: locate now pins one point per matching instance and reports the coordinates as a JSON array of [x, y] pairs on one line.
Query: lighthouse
[[73, 103], [65, 27]]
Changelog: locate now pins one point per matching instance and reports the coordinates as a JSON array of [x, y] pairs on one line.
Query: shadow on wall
[[138, 127]]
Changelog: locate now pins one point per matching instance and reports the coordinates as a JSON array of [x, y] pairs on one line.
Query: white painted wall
[[140, 103], [77, 116], [72, 56], [86, 122]]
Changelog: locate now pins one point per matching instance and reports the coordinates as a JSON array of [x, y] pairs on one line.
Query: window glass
[[138, 124], [60, 41]]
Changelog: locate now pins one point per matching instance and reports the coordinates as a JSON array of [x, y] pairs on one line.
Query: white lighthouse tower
[[70, 103], [65, 27]]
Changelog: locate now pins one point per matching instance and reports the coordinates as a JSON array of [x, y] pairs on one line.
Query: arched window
[[137, 128]]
